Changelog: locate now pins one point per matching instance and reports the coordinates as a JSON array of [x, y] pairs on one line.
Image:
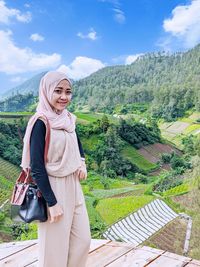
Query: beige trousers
[[65, 243]]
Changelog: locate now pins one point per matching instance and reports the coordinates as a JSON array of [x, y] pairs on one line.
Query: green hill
[[165, 84]]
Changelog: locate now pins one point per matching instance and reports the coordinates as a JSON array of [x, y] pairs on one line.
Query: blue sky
[[82, 36]]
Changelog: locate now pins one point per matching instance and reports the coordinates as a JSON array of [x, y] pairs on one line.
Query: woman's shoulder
[[39, 125]]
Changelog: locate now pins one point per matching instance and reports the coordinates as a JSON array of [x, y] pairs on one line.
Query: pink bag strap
[[47, 140]]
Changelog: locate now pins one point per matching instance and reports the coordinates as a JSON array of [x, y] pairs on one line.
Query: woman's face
[[61, 96]]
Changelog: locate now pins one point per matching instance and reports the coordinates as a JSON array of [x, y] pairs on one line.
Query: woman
[[64, 239]]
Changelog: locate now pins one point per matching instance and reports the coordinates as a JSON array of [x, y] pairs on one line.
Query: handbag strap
[[47, 140]]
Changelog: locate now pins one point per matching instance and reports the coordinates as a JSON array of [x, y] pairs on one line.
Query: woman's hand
[[82, 171], [55, 212]]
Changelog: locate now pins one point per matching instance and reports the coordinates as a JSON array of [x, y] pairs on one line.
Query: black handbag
[[27, 202], [34, 206]]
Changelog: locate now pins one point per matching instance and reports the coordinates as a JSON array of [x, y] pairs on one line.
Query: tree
[[108, 155]]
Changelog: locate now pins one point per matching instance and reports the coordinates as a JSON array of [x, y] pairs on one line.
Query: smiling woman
[[64, 239]]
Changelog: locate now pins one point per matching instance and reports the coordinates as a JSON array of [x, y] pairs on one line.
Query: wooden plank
[[35, 264], [108, 253], [138, 257], [193, 263], [169, 259], [10, 248], [176, 256], [21, 258], [97, 243], [166, 262]]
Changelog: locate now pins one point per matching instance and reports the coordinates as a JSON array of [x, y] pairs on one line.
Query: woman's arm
[[38, 170], [82, 170], [80, 146]]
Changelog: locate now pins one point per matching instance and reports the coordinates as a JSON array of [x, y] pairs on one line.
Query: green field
[[130, 153], [114, 209], [8, 170], [132, 189], [192, 128], [93, 181], [8, 175], [5, 189], [89, 117]]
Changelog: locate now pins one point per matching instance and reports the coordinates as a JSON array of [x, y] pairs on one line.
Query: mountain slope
[[28, 86], [169, 82]]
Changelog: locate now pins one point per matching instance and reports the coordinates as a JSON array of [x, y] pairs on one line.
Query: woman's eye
[[57, 91]]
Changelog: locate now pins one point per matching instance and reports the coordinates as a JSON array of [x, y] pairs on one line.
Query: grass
[[102, 193], [190, 203], [192, 128], [16, 113], [97, 225], [5, 189], [89, 143], [130, 153], [89, 117], [93, 181], [177, 190], [9, 170], [114, 209], [8, 175]]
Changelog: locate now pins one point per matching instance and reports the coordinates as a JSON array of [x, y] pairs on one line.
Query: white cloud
[[126, 59], [36, 37], [183, 27], [27, 5], [92, 35], [81, 67], [7, 13], [119, 15], [131, 58], [15, 60], [17, 79], [115, 2]]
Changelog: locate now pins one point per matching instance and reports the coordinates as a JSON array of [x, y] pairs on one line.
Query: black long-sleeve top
[[38, 170]]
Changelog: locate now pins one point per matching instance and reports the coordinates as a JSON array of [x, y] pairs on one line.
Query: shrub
[[166, 157]]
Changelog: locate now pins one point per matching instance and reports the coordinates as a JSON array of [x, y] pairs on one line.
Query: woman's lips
[[62, 103]]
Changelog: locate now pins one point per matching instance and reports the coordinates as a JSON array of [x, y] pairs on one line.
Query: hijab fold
[[44, 111]]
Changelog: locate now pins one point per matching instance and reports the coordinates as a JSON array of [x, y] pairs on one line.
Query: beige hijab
[[65, 120]]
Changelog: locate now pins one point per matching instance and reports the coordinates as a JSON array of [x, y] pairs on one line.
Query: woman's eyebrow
[[62, 88]]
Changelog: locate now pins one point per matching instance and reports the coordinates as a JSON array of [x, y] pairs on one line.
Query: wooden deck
[[102, 253]]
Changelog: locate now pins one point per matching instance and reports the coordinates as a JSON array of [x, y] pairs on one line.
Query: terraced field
[[138, 226], [177, 190], [120, 192], [171, 237], [113, 209], [137, 158], [8, 170], [175, 131], [8, 176], [154, 152]]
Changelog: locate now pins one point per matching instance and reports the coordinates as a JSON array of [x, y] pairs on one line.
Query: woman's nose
[[63, 96]]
